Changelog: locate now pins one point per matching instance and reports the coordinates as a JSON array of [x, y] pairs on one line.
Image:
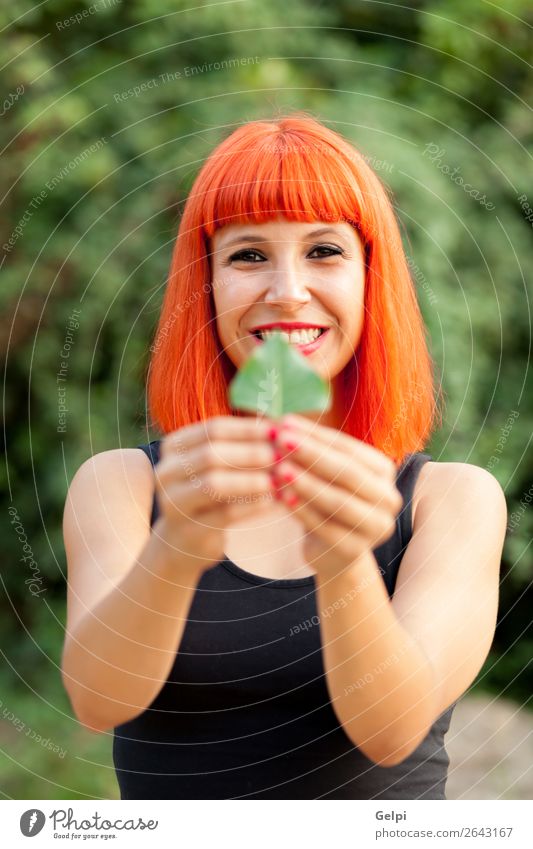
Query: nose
[[288, 287]]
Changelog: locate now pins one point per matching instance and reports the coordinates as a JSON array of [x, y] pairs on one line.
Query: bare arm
[[393, 667], [127, 619]]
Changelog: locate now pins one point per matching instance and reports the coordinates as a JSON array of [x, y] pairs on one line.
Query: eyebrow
[[249, 237]]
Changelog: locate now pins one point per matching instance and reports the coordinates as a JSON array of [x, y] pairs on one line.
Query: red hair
[[296, 167]]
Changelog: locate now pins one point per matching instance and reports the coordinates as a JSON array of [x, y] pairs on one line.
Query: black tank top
[[245, 712]]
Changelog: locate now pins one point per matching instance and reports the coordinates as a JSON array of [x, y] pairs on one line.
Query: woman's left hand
[[342, 490]]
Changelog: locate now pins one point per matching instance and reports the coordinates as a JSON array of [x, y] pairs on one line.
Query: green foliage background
[[393, 79]]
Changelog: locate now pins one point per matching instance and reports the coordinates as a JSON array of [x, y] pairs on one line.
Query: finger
[[340, 441], [246, 428], [334, 468], [211, 520], [346, 540], [212, 488], [225, 513], [328, 531], [232, 512], [347, 509], [212, 455]]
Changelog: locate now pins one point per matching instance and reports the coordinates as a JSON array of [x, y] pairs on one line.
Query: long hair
[[295, 167]]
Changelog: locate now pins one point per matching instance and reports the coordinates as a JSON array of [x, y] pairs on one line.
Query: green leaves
[[276, 379]]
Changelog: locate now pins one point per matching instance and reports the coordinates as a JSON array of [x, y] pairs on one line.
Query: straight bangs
[[298, 169], [286, 177]]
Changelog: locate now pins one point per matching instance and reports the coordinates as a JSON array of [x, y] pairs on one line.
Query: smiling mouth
[[292, 336], [299, 340]]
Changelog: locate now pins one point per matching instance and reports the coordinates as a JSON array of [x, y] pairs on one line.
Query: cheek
[[223, 292], [348, 295], [232, 296], [229, 307], [349, 306]]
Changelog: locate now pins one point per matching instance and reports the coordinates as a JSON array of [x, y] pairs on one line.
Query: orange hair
[[296, 167]]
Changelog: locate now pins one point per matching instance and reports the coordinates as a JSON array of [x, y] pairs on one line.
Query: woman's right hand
[[210, 474]]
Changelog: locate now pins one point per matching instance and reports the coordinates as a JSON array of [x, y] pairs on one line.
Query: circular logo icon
[[31, 822]]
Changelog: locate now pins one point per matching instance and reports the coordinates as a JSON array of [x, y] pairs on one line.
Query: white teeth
[[295, 337]]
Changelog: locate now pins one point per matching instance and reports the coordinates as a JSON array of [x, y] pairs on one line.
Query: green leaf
[[276, 379]]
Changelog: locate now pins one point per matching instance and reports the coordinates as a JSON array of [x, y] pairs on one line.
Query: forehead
[[280, 229]]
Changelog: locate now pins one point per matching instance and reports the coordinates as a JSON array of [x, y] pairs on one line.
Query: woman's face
[[285, 271]]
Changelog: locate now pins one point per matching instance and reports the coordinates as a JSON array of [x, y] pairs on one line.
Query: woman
[[285, 609]]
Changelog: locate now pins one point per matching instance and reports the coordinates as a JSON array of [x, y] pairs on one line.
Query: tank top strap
[[405, 481], [152, 452]]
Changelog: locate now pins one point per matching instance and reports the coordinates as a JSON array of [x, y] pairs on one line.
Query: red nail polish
[[275, 488], [273, 433], [278, 456], [288, 476], [290, 444], [292, 499]]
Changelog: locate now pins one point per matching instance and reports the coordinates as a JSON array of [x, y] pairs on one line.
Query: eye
[[241, 255], [331, 250]]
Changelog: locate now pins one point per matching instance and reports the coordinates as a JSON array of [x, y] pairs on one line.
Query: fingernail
[[278, 456], [288, 476], [273, 433], [291, 499], [276, 490], [289, 444]]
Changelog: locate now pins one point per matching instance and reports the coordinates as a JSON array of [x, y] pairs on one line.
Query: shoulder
[[458, 486], [130, 462], [124, 472]]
